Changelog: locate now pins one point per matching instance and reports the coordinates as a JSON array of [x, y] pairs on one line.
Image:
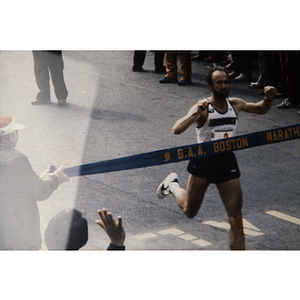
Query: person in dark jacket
[[20, 189]]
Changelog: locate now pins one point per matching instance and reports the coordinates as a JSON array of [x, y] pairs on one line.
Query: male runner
[[215, 118]]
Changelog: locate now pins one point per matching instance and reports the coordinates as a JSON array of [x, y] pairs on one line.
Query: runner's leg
[[191, 199], [232, 197]]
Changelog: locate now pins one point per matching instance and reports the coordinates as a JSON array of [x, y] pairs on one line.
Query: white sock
[[172, 185]]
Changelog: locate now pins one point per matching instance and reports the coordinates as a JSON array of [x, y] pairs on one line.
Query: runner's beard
[[224, 93]]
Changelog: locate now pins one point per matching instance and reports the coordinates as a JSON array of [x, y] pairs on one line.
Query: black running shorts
[[217, 168]]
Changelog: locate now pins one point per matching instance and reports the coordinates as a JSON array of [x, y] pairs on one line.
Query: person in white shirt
[[215, 118]]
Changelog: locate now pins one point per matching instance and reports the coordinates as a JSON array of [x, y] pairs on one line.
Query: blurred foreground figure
[[114, 229], [20, 188], [68, 230]]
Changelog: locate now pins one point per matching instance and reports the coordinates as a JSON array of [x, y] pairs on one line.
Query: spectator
[[201, 55], [290, 63], [20, 189], [241, 66], [263, 76], [271, 73], [113, 229], [45, 61], [68, 230], [171, 69], [215, 56], [139, 59], [212, 56]]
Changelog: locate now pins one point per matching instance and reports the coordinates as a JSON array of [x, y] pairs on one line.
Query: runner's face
[[220, 86]]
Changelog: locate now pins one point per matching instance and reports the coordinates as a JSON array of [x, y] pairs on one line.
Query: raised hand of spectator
[[114, 230]]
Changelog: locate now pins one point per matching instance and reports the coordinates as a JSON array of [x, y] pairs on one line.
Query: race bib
[[218, 134]]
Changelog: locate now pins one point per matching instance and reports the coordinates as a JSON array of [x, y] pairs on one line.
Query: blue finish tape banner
[[188, 152]]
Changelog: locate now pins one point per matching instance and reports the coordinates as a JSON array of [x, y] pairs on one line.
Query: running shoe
[[163, 189]]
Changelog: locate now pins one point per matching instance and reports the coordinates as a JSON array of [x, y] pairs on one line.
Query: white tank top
[[218, 125]]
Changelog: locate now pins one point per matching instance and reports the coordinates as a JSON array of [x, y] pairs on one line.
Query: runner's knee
[[190, 213]]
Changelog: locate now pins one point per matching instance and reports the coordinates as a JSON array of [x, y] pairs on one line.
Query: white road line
[[176, 232], [145, 236], [172, 231], [225, 225], [201, 243], [188, 237], [252, 232], [249, 225], [249, 229], [283, 216], [185, 236]]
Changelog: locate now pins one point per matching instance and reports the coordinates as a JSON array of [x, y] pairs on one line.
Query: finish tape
[[178, 154]]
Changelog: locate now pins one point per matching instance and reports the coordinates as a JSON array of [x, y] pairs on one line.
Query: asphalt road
[[113, 112]]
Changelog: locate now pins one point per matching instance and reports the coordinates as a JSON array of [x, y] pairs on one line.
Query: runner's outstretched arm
[[196, 112], [260, 107]]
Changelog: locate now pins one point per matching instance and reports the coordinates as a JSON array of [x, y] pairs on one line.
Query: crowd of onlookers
[[280, 69]]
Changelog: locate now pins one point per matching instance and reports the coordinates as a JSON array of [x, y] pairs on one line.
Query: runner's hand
[[202, 106], [269, 92]]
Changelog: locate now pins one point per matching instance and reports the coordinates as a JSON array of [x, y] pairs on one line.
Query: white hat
[[8, 125]]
